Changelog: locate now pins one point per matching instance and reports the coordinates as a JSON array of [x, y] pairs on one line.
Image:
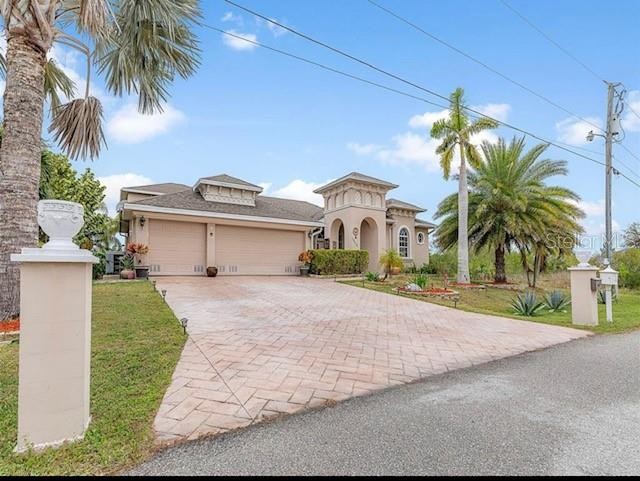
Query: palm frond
[[77, 127], [151, 44], [57, 82]]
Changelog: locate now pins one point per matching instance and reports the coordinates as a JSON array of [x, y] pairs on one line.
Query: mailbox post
[[584, 291], [609, 278]]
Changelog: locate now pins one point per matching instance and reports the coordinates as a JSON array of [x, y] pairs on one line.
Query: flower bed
[[11, 325], [433, 291]]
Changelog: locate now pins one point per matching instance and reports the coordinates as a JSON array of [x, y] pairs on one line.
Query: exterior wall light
[[142, 221]]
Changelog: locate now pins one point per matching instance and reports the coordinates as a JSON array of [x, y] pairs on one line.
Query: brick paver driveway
[[269, 345]]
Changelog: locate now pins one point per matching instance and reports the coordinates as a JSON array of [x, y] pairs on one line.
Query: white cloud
[[116, 182], [427, 119], [128, 126], [298, 189], [266, 186], [574, 131], [238, 43], [411, 148], [496, 111], [630, 122], [363, 149], [594, 220], [232, 17], [276, 30], [418, 148]]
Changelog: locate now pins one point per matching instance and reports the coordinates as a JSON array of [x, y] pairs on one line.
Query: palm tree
[[456, 132], [139, 46], [511, 205]]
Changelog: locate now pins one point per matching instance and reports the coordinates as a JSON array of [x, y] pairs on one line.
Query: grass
[[495, 301], [136, 343]]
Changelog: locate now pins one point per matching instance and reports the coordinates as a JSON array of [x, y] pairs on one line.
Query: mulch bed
[[10, 325], [433, 291]]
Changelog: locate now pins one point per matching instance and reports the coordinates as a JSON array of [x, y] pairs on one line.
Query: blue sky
[[272, 120]]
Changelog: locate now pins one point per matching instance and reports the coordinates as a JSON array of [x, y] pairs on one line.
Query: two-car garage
[[180, 248]]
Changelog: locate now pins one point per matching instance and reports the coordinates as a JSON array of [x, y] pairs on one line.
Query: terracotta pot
[[395, 271], [127, 274], [212, 271]]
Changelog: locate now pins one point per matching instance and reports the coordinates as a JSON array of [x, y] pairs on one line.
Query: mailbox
[[595, 284], [609, 277]]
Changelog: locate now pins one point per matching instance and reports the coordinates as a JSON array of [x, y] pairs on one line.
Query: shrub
[[421, 280], [339, 261], [556, 301], [372, 276], [443, 263], [527, 304], [100, 268], [627, 263]]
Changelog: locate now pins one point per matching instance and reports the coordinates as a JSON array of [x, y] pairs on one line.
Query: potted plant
[[212, 271], [305, 257], [127, 265], [137, 251], [391, 262]]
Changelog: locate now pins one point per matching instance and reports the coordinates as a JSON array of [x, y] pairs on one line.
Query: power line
[[397, 77], [475, 114], [481, 63], [560, 47], [406, 94]]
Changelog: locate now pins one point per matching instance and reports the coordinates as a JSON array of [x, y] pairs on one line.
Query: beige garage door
[[252, 251], [177, 248]]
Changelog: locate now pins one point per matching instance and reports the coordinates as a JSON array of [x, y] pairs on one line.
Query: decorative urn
[[61, 221]]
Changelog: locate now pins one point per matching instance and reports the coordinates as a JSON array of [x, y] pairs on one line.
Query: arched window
[[420, 238], [341, 237], [403, 242]]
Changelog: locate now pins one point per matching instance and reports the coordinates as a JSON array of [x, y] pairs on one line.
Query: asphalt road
[[572, 409]]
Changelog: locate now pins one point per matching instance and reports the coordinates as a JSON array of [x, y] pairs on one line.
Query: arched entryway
[[369, 241], [337, 234]]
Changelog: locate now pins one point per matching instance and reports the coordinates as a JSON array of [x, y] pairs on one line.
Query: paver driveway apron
[[260, 346]]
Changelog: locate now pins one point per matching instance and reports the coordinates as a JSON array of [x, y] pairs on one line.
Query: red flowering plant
[[306, 257], [136, 250]]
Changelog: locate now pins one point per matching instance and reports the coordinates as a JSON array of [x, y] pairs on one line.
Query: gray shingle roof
[[356, 176], [403, 205], [165, 188], [227, 179], [424, 223], [265, 206]]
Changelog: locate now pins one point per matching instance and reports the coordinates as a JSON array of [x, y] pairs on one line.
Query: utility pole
[[608, 166], [612, 129]]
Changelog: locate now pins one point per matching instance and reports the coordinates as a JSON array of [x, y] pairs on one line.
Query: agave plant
[[421, 281], [527, 304], [556, 301], [602, 296], [372, 276]]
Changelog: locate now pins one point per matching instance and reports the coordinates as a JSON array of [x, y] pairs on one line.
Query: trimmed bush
[[627, 263], [339, 261]]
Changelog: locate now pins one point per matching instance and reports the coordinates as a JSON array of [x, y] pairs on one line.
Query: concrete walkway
[[572, 409], [262, 346]]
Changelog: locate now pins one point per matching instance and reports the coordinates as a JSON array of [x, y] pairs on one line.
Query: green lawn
[[136, 343], [626, 310]]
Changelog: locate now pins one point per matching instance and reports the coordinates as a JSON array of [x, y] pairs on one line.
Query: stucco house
[[226, 222]]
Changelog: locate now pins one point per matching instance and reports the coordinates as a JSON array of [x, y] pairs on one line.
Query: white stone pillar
[[55, 331], [584, 300]]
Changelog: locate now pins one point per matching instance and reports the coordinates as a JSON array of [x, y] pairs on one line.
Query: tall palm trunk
[[19, 161], [463, 221], [501, 272]]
